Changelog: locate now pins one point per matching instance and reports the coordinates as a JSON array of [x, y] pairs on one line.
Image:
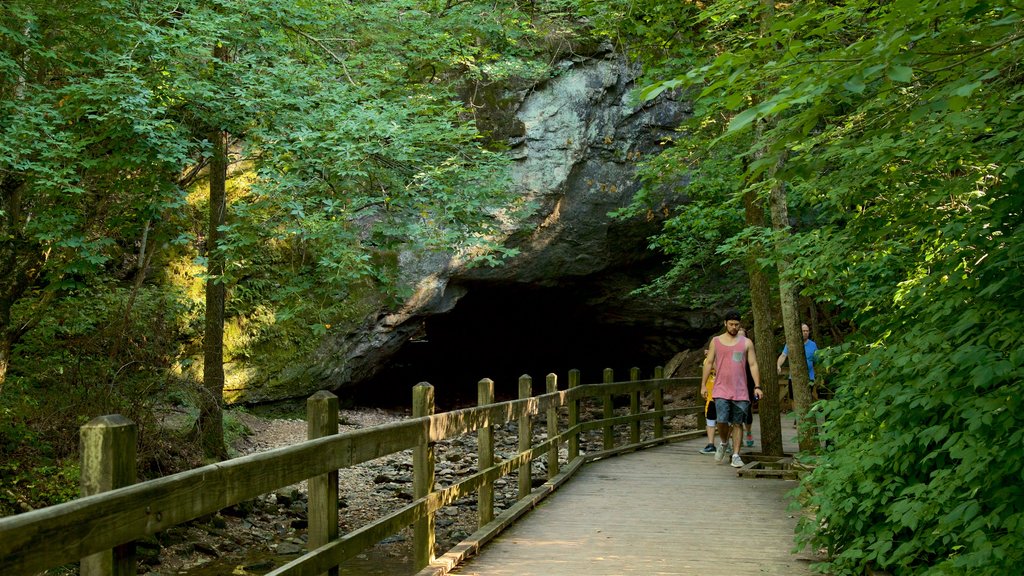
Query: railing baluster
[[107, 445], [634, 407], [525, 438], [574, 416], [485, 454], [659, 403], [322, 420], [423, 476], [551, 387], [609, 411]]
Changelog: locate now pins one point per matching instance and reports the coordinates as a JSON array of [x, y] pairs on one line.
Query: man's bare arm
[[752, 362]]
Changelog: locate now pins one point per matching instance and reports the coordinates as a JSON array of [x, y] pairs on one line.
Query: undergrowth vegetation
[[89, 356]]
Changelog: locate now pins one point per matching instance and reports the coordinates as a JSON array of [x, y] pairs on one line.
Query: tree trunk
[[11, 225], [764, 346], [6, 331], [145, 257], [20, 265], [5, 359], [791, 323], [210, 424], [787, 294]]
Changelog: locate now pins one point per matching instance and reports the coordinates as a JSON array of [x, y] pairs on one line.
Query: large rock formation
[[565, 300]]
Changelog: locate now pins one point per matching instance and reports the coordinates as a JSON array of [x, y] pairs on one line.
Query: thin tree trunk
[[20, 264], [10, 211], [791, 324], [145, 257], [7, 298], [787, 291], [210, 423], [760, 303], [5, 359]]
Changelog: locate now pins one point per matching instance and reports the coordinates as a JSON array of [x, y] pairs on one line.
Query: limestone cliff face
[[575, 142], [577, 156]]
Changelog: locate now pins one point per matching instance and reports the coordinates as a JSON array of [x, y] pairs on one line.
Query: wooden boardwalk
[[666, 510]]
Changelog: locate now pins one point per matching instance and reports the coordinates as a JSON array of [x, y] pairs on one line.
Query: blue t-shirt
[[809, 349]]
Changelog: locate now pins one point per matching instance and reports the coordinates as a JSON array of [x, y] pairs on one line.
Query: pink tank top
[[731, 370]]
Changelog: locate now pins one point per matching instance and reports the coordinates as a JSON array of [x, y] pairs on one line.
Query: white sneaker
[[719, 452], [737, 462]]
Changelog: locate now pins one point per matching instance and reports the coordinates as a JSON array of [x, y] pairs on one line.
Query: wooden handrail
[[55, 535], [52, 536]]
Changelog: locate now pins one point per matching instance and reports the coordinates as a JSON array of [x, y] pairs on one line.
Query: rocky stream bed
[[256, 536]]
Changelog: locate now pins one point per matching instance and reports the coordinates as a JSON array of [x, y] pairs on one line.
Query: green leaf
[[898, 73], [743, 119], [654, 90], [966, 89], [855, 85]]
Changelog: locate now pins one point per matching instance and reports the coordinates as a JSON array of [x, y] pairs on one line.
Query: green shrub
[[927, 425]]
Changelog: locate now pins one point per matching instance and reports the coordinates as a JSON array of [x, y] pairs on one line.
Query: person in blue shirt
[[810, 348]]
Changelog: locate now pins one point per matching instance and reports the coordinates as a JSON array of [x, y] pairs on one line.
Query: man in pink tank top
[[730, 354]]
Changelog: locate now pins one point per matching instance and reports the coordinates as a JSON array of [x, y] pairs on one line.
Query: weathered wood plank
[[551, 384], [349, 545], [621, 388], [668, 510], [322, 514], [574, 414], [630, 419], [607, 409], [107, 445], [457, 422], [485, 456], [634, 407], [64, 533], [423, 464], [659, 404], [525, 484], [475, 541]]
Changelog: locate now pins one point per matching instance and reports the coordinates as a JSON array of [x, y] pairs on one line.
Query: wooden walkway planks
[[666, 510]]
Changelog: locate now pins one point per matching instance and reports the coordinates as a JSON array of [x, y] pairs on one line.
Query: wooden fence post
[[634, 407], [423, 477], [609, 411], [485, 454], [574, 416], [107, 452], [525, 438], [322, 420], [659, 403], [552, 386]]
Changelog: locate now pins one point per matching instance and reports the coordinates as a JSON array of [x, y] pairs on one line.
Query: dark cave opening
[[502, 332]]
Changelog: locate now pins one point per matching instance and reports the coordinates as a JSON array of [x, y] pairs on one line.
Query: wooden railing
[[98, 529]]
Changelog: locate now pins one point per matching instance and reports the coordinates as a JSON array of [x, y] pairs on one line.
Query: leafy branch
[[339, 60]]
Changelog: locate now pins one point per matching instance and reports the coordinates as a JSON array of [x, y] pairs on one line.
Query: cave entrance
[[503, 332]]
